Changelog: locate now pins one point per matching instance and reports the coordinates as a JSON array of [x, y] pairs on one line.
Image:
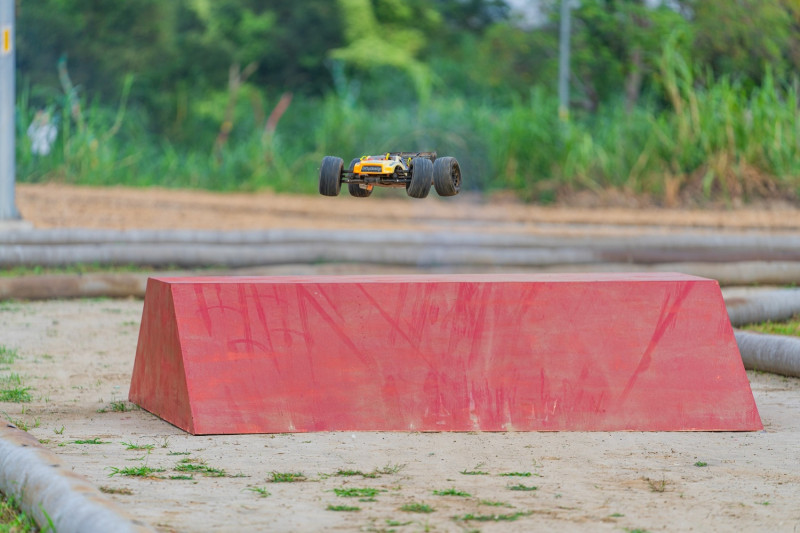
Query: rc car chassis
[[416, 171]]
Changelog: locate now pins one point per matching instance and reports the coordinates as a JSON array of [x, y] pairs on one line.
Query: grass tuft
[[261, 491], [134, 471], [522, 487], [358, 493], [345, 508], [511, 517], [417, 508], [7, 355], [287, 477], [89, 441], [452, 492], [12, 389]]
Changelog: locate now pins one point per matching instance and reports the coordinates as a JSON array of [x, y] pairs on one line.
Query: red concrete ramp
[[597, 352]]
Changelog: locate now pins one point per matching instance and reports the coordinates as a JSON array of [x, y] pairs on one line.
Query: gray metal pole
[[563, 62], [8, 210]]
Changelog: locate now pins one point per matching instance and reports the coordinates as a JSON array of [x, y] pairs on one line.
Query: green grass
[[476, 471], [81, 268], [417, 508], [134, 471], [12, 389], [13, 519], [8, 355], [789, 328], [350, 473], [132, 446], [343, 508], [358, 493], [701, 463], [261, 491], [452, 492], [511, 517], [517, 474], [199, 467], [390, 469], [89, 441], [492, 503], [522, 487], [286, 477]]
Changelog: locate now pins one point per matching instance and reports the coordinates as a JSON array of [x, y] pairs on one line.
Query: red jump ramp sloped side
[[598, 352]]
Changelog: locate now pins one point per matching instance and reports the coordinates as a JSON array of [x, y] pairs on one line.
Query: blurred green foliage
[[695, 100]]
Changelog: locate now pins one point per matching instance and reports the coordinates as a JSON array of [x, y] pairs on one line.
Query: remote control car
[[416, 171]]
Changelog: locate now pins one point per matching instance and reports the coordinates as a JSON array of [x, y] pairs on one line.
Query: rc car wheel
[[330, 176], [354, 188], [447, 176], [421, 178]]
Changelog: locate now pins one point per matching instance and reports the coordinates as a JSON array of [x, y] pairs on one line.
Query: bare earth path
[[77, 357]]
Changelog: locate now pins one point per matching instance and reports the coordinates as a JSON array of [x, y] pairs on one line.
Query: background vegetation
[[692, 101]]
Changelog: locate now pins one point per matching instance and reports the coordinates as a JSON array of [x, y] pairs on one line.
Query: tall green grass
[[700, 138]]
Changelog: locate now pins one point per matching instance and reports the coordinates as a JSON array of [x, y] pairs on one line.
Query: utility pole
[[8, 209], [563, 62]]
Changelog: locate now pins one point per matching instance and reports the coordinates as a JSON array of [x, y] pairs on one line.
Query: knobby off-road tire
[[447, 176], [354, 188], [421, 178], [330, 176]]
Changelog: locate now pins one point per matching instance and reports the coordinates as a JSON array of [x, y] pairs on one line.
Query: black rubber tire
[[421, 178], [447, 176], [354, 188], [330, 176]]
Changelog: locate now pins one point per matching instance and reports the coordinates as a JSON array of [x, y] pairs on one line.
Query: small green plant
[[177, 453], [349, 473], [132, 446], [7, 355], [616, 515], [397, 523], [764, 503], [89, 441], [517, 474], [287, 477], [492, 503], [511, 517], [522, 487], [186, 477], [12, 390], [390, 469], [119, 407], [452, 492], [476, 471], [134, 471], [13, 519], [345, 508], [358, 493], [59, 431], [195, 465], [417, 508], [261, 491], [701, 463]]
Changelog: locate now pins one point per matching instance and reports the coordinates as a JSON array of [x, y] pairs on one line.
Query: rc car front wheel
[[447, 176], [355, 188], [330, 176], [421, 178]]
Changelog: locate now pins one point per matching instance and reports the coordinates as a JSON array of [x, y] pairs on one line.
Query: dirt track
[[48, 206], [78, 355]]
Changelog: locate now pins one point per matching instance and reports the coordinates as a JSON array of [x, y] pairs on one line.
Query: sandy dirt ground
[[77, 357]]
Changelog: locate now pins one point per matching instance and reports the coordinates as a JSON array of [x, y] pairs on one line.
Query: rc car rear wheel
[[330, 176], [447, 176], [355, 188], [421, 178]]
